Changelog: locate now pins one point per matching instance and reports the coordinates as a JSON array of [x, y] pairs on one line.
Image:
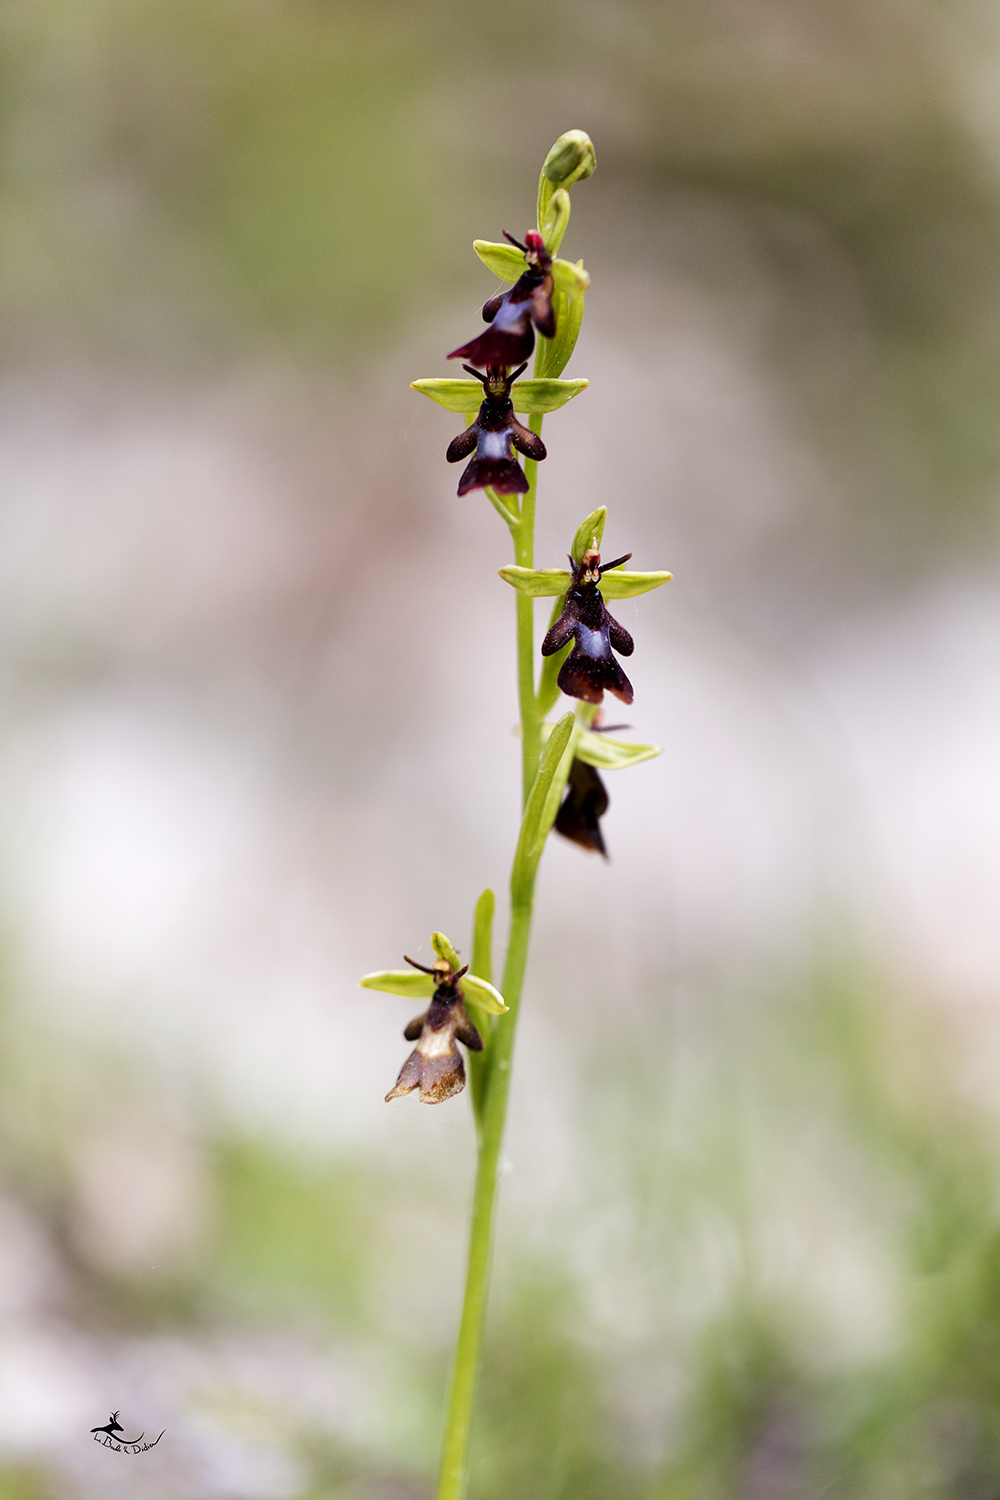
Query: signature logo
[[109, 1437]]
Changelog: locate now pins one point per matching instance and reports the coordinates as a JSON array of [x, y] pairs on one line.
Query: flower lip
[[435, 1065], [591, 667]]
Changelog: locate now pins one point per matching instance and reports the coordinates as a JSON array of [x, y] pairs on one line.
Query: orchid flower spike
[[511, 314], [494, 434], [590, 667]]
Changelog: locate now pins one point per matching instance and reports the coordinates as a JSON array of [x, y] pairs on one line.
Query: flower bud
[[571, 159]]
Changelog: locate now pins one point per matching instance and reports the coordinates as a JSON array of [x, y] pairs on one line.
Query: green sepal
[[606, 753], [482, 936], [537, 583], [619, 585], [536, 397], [534, 828], [483, 995], [545, 583], [570, 278], [408, 982], [589, 533], [507, 262], [445, 951]]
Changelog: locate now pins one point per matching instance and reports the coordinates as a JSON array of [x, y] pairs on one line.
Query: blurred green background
[[256, 742]]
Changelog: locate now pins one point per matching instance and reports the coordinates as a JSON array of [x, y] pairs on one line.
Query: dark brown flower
[[591, 666], [435, 1066], [494, 435], [582, 808], [513, 316]]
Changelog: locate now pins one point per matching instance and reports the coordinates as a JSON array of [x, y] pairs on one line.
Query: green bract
[[534, 827], [533, 396], [541, 583], [606, 753], [553, 355], [556, 220]]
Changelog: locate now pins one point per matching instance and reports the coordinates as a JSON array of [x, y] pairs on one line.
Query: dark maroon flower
[[590, 667], [435, 1065], [494, 435], [582, 808], [510, 337]]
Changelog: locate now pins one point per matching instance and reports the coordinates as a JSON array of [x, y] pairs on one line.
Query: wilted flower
[[511, 336], [590, 667], [435, 1066], [585, 803], [494, 434]]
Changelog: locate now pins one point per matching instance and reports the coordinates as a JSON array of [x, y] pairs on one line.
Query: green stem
[[496, 1084], [468, 1350]]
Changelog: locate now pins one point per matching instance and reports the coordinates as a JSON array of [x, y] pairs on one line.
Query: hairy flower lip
[[591, 667], [493, 436]]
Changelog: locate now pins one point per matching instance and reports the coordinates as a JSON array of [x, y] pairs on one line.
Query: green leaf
[[408, 982], [538, 583], [589, 533], [444, 950], [619, 585], [483, 995], [548, 685], [609, 754], [505, 261], [482, 936], [532, 396], [533, 827]]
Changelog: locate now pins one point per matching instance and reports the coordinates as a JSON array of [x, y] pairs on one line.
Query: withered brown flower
[[435, 1065], [584, 805]]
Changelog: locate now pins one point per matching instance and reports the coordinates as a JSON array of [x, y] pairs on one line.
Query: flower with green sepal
[[435, 1066], [492, 436]]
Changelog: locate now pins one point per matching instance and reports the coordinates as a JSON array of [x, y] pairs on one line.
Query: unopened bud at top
[[571, 159]]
